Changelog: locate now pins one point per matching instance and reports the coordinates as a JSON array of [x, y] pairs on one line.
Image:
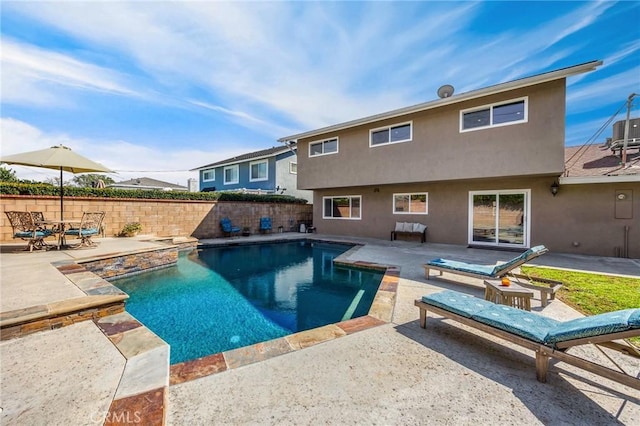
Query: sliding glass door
[[499, 218]]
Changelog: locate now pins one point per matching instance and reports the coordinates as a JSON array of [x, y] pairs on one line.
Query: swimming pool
[[217, 299]]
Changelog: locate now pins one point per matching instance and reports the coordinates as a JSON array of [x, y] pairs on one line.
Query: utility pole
[[626, 130]]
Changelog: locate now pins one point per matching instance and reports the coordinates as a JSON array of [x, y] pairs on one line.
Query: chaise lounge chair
[[483, 271], [546, 336]]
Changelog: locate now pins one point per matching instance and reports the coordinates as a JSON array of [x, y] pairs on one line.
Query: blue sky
[[157, 88]]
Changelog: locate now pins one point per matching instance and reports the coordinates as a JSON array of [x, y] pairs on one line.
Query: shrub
[[13, 188]]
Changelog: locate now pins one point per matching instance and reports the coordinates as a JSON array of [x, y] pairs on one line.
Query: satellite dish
[[445, 91]]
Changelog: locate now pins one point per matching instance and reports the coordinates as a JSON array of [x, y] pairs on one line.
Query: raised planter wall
[[162, 218]]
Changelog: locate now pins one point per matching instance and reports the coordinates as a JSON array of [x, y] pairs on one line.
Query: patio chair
[[265, 224], [483, 271], [90, 225], [227, 228], [547, 337], [41, 222], [24, 227]]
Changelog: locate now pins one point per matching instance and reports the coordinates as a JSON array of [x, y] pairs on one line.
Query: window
[[391, 134], [511, 112], [293, 168], [208, 175], [499, 217], [410, 203], [329, 146], [231, 174], [258, 170], [343, 207]]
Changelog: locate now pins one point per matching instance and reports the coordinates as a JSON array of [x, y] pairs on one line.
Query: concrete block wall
[[162, 218]]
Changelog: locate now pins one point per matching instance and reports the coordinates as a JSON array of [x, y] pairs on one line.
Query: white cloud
[[283, 67], [31, 75], [124, 157]]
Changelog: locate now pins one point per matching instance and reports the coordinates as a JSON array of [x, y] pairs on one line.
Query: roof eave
[[229, 162], [498, 88], [578, 180]]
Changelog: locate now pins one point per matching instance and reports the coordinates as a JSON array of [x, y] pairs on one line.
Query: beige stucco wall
[[200, 219], [439, 151], [582, 214]]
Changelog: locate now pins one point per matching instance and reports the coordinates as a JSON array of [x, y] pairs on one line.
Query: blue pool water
[[217, 299]]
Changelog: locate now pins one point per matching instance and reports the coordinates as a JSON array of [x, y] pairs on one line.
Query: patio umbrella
[[58, 158]]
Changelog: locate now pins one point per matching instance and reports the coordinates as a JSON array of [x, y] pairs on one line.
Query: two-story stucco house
[[477, 168], [268, 171]]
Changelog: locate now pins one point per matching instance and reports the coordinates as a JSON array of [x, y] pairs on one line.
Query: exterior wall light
[[554, 188]]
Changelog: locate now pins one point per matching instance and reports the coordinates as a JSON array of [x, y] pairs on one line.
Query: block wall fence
[[161, 218]]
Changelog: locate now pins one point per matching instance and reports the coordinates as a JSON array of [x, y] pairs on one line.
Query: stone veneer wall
[[163, 218], [132, 263]]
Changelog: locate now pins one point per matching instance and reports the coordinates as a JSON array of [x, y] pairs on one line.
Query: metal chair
[[25, 228], [89, 226]]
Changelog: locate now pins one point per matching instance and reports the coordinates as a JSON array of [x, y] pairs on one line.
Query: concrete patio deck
[[396, 373]]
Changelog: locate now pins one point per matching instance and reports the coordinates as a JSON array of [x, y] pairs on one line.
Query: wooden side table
[[513, 295]]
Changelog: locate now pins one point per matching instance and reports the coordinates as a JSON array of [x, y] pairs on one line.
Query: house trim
[[581, 180]]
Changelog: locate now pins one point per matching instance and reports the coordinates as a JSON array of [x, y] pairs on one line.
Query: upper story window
[[208, 175], [328, 146], [258, 170], [342, 207], [391, 134], [411, 203], [293, 167], [494, 115], [231, 175]]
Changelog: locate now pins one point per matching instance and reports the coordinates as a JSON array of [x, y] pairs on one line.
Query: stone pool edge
[[381, 312]]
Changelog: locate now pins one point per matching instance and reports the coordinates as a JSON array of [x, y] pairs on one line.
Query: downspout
[[625, 246]]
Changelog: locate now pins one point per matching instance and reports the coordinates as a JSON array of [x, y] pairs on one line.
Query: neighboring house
[[477, 168], [268, 171], [148, 184]]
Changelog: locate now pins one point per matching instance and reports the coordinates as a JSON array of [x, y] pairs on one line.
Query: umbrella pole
[[61, 197]]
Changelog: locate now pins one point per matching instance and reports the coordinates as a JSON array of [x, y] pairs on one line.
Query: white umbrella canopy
[[58, 158]]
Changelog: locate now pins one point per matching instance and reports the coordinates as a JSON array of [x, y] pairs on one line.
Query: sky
[[157, 88]]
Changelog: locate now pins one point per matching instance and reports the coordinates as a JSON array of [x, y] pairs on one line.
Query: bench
[[408, 229]]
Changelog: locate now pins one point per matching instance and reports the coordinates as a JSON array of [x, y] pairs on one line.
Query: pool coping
[[380, 313]]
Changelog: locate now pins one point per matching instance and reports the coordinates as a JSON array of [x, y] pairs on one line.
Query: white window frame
[[426, 194], [324, 213], [410, 123], [323, 142], [490, 107], [291, 167], [526, 222], [224, 174], [251, 164], [213, 174]]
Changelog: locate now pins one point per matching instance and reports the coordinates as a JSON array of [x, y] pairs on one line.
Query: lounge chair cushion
[[516, 321], [458, 303], [399, 227], [463, 266], [595, 325], [487, 270], [507, 265]]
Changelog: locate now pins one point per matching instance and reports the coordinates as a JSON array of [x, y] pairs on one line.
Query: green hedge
[[11, 188]]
